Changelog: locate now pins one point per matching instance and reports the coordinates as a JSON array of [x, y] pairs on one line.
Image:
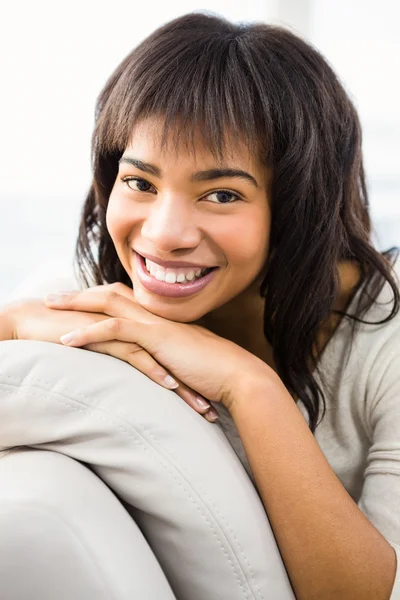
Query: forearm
[[329, 547]]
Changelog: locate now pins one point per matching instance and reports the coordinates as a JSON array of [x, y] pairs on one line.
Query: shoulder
[[376, 351], [380, 330], [358, 364]]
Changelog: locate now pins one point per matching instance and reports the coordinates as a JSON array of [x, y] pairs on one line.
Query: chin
[[172, 312]]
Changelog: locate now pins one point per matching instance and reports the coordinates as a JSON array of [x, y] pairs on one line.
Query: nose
[[170, 225]]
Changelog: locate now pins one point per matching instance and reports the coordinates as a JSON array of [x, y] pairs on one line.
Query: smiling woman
[[227, 230], [178, 221], [290, 233], [235, 147]]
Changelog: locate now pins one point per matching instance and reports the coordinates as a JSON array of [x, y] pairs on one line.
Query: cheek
[[247, 244], [118, 225]]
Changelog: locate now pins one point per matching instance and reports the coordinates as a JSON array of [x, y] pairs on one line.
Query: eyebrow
[[208, 175]]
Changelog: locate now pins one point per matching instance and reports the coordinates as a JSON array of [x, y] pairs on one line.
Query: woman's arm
[[329, 547], [31, 319]]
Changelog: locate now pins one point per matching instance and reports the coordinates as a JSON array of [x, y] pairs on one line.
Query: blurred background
[[56, 57]]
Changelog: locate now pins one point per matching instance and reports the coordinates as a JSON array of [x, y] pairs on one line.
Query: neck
[[242, 319]]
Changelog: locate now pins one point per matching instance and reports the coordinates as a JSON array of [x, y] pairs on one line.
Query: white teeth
[[172, 276]]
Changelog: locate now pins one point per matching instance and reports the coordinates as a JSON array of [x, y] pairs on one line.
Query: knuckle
[[116, 287], [111, 296], [113, 325], [138, 355], [135, 350]]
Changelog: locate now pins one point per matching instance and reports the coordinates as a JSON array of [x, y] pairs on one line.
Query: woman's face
[[173, 210]]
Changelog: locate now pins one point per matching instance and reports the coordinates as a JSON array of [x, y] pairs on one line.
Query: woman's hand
[[32, 320], [208, 364]]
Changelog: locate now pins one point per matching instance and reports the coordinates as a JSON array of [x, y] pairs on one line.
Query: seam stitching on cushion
[[85, 408], [218, 512]]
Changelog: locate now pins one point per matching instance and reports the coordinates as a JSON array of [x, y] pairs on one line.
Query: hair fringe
[[277, 93]]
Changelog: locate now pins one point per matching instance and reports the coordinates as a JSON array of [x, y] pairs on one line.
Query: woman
[[228, 193]]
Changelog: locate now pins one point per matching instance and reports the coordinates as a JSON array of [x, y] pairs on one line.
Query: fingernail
[[67, 338], [201, 403], [170, 382], [211, 415]]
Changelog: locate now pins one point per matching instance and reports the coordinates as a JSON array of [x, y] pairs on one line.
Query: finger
[[123, 330], [123, 290], [101, 300], [211, 415], [195, 400], [116, 331], [145, 363], [120, 288], [137, 357]]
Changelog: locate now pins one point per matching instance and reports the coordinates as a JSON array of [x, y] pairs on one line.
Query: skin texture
[[173, 218], [177, 219], [33, 319]]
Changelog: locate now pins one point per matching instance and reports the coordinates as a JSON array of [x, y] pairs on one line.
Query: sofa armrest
[[65, 535], [180, 477]]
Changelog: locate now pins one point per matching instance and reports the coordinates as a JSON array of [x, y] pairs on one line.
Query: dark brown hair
[[277, 94]]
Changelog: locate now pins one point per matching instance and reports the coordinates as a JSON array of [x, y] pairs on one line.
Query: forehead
[[146, 139]]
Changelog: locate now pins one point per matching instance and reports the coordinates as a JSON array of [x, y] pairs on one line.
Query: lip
[[170, 290], [170, 263]]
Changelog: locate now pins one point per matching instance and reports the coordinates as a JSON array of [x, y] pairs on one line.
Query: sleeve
[[380, 497]]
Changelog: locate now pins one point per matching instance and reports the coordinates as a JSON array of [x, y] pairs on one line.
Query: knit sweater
[[360, 432]]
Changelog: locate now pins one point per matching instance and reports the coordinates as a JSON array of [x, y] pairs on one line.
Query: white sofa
[[112, 487]]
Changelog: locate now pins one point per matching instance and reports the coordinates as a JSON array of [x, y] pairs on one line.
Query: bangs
[[199, 86]]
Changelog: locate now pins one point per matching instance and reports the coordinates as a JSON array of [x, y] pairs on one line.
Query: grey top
[[360, 432]]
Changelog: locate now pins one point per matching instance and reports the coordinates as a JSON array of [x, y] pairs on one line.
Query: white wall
[[364, 47], [56, 58]]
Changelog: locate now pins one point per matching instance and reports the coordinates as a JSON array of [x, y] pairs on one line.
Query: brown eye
[[137, 181], [224, 197]]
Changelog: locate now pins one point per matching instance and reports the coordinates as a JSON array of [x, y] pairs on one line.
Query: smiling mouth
[[174, 276], [172, 283]]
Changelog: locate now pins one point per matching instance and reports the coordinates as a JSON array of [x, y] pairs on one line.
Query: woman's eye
[[224, 197], [138, 182]]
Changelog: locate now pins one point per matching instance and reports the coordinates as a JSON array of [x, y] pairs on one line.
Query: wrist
[[261, 381]]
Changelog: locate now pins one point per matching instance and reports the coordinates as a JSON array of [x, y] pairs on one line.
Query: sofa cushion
[[182, 481], [65, 535]]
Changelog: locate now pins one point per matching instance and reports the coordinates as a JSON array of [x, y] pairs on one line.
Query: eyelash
[[236, 196]]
